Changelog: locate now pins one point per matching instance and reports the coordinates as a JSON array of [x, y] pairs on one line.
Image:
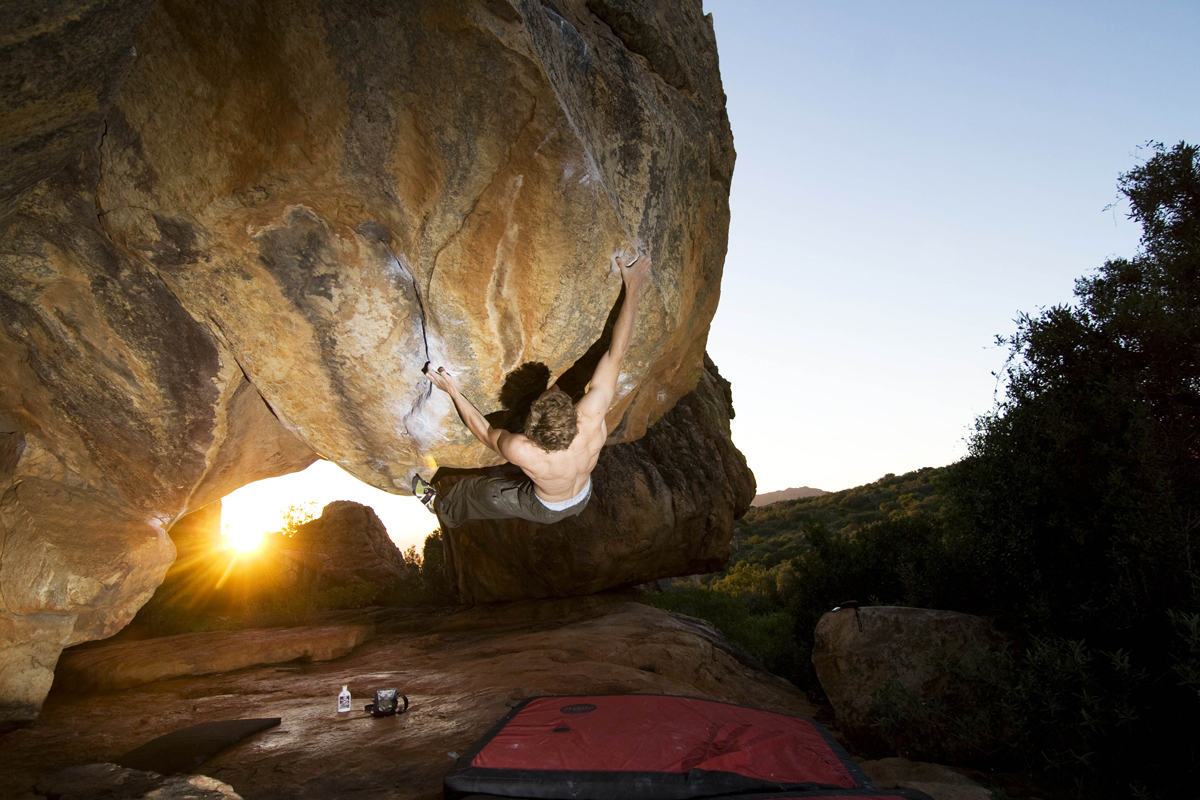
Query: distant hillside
[[771, 533], [798, 493]]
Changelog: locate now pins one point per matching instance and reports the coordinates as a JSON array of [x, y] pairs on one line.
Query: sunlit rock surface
[[343, 193], [231, 234], [461, 672], [661, 506]]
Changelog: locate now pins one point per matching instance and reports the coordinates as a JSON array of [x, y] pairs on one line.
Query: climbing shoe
[[424, 491]]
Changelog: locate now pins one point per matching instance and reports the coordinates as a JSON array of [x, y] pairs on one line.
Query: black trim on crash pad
[[838, 794], [187, 748]]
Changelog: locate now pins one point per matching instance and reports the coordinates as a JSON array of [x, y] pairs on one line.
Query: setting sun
[[242, 539]]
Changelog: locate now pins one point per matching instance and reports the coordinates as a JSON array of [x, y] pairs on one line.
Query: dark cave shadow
[[521, 387], [575, 380]]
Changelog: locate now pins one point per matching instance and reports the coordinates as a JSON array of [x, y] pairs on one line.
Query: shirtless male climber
[[559, 448]]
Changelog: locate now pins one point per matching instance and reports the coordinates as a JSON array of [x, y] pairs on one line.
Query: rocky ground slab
[[110, 782], [128, 664], [460, 669], [940, 783]]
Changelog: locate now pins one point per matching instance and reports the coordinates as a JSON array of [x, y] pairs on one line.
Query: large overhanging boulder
[[232, 234]]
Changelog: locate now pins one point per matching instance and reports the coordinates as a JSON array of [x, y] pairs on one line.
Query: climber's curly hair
[[552, 421]]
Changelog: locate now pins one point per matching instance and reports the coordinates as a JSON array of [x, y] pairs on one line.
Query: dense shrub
[[763, 633]]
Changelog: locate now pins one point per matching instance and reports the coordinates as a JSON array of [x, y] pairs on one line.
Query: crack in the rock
[[420, 301], [241, 367], [99, 175]]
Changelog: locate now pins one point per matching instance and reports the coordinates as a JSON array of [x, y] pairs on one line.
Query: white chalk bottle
[[344, 700]]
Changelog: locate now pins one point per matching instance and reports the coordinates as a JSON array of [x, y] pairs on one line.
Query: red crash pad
[[655, 747]]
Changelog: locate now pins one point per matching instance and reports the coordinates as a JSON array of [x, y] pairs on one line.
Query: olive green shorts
[[499, 498]]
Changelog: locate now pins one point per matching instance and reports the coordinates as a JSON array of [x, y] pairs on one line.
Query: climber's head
[[552, 421]]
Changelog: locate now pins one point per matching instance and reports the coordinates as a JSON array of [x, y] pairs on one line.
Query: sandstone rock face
[[435, 180], [52, 106], [661, 506], [861, 653], [460, 671], [117, 410], [232, 233], [346, 544], [72, 565]]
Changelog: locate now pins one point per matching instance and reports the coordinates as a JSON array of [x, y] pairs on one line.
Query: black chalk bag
[[387, 703]]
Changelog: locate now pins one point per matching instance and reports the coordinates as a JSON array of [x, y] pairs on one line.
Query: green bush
[[288, 608], [766, 635], [1056, 707], [1079, 499], [350, 596]]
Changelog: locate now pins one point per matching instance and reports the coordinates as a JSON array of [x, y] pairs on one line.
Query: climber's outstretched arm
[[475, 422], [603, 387]]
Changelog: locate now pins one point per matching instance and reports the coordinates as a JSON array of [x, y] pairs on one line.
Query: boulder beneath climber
[[661, 506], [879, 663]]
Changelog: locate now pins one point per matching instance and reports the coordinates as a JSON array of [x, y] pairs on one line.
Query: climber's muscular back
[[562, 474]]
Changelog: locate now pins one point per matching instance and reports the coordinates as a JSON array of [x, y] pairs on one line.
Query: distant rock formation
[[766, 498], [346, 544], [232, 234], [661, 506]]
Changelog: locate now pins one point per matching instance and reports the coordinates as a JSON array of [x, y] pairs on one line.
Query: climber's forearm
[[623, 328], [476, 423]]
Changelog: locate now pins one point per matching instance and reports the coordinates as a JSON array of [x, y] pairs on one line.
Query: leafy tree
[[1081, 492], [1078, 505], [433, 566], [296, 515]]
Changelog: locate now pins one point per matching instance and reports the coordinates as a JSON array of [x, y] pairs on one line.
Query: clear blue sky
[[910, 176]]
